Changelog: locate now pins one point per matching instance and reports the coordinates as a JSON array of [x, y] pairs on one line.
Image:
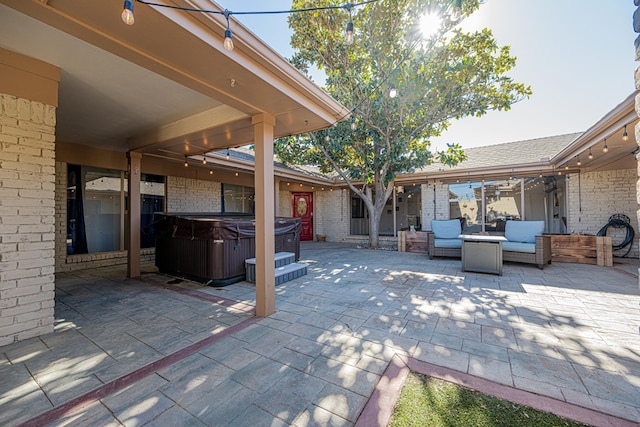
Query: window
[[487, 207], [96, 209], [238, 199]]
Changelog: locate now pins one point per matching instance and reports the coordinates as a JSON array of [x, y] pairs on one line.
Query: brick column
[[28, 100]]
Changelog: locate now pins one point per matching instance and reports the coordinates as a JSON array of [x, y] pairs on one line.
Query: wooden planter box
[[581, 249], [413, 241]]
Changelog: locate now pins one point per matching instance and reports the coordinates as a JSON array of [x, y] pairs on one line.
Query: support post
[[133, 220], [263, 125]]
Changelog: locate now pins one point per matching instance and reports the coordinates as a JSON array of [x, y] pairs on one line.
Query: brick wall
[[601, 195], [27, 209], [439, 210], [284, 205], [190, 195], [331, 210]]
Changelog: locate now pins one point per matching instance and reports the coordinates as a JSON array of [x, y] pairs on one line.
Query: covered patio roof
[[165, 86]]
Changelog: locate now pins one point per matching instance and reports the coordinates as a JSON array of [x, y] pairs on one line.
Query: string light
[[186, 163], [227, 156], [605, 148], [228, 36], [204, 160], [590, 155], [393, 91], [128, 18], [353, 123], [127, 13], [625, 135], [578, 162]]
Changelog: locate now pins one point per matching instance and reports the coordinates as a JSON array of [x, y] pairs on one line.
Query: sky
[[577, 56]]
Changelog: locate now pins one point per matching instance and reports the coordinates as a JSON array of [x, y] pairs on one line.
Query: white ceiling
[[103, 99]]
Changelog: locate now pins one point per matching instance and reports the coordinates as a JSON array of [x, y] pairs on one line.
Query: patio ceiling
[[164, 86]]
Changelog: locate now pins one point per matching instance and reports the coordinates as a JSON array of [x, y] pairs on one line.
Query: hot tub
[[212, 247]]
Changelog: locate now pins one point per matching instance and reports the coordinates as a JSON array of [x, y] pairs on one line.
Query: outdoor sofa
[[525, 242]]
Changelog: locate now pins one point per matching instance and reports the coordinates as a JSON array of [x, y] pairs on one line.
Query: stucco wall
[[596, 196], [27, 212]]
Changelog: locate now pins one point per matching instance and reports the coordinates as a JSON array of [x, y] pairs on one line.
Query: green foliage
[[448, 76], [431, 402]]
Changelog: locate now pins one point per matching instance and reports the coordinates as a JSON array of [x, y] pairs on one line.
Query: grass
[[426, 401]]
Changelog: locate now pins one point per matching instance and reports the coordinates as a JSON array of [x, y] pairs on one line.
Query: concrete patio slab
[[164, 352]]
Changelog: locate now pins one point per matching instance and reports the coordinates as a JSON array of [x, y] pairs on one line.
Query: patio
[[169, 352]]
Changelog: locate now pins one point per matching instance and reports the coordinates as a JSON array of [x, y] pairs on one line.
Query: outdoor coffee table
[[482, 253]]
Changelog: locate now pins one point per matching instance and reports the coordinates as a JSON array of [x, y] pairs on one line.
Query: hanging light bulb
[[348, 35], [186, 163], [228, 40], [625, 135], [227, 156], [457, 11], [566, 166], [204, 160], [353, 123], [392, 91], [590, 155], [578, 162], [605, 148], [228, 36], [327, 137], [127, 13]]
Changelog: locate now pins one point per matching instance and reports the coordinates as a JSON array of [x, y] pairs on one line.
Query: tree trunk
[[374, 228]]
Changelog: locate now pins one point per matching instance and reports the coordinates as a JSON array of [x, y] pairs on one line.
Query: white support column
[[133, 220], [263, 125]]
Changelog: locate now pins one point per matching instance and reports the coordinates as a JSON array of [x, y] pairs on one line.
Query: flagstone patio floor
[[164, 351]]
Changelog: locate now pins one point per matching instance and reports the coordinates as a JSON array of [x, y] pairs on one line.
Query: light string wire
[[348, 7], [227, 13]]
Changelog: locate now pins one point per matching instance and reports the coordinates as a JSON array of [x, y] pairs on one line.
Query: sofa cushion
[[528, 248], [523, 231], [446, 229], [447, 243]]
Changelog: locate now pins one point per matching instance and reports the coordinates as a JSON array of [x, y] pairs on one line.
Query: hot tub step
[[281, 259], [290, 272]]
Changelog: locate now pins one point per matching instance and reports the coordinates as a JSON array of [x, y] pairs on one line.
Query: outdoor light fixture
[[353, 123], [227, 156], [625, 135], [566, 166], [348, 36], [457, 10], [392, 91], [578, 162], [127, 13], [327, 137], [605, 149], [590, 155], [186, 163], [228, 37], [204, 160]]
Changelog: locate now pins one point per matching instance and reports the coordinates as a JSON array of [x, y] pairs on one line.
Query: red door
[[302, 208]]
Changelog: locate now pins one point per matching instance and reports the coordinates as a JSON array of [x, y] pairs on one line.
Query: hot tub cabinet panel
[[212, 248]]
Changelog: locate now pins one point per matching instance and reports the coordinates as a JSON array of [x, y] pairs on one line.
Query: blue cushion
[[446, 229], [523, 231], [447, 243], [528, 248]]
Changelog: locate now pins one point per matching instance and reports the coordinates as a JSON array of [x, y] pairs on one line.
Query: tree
[[446, 76]]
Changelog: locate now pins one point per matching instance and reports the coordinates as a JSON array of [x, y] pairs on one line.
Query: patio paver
[[569, 332]]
